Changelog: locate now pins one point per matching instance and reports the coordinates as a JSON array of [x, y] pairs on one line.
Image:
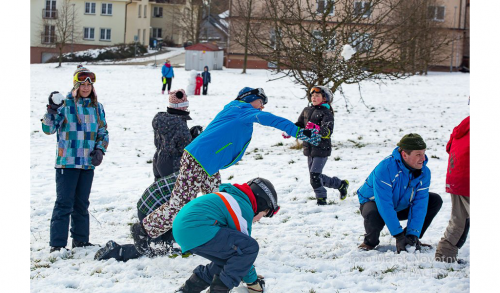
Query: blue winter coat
[[200, 219], [167, 72], [226, 138], [206, 76], [392, 186]]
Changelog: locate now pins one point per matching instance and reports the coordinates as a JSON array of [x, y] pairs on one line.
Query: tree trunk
[[247, 34]]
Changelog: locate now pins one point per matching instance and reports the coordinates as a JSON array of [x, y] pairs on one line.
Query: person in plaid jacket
[[82, 139]]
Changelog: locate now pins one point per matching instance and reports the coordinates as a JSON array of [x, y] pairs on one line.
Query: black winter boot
[[344, 184], [217, 286], [141, 239], [193, 285], [321, 201], [56, 248], [110, 250], [76, 243]]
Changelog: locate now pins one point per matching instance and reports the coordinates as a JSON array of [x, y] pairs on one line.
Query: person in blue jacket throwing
[[221, 145], [167, 73], [218, 227], [398, 189]]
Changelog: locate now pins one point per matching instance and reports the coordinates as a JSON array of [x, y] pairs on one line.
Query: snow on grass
[[304, 248]]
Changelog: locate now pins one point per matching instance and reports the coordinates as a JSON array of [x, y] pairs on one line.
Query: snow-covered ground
[[304, 248]]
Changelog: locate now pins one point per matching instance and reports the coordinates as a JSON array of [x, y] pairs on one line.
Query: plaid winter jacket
[[78, 136], [157, 194]]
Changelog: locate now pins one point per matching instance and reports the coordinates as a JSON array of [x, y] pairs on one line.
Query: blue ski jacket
[[167, 72], [224, 141], [392, 186]]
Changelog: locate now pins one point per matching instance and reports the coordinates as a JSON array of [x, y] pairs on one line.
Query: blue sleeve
[[251, 276], [418, 207], [382, 188], [163, 70], [268, 119], [51, 122]]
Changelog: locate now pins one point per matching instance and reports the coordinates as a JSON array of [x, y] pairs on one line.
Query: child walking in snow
[[167, 73], [320, 116], [218, 227]]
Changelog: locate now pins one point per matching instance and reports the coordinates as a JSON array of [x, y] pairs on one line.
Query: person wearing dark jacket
[[458, 185], [320, 116], [398, 189], [171, 135], [206, 79]]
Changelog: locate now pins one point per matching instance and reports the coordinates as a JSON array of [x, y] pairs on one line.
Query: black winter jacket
[[171, 136], [323, 117]]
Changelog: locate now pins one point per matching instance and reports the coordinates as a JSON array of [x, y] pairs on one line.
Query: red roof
[[203, 47]]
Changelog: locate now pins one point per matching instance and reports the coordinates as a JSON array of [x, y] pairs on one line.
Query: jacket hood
[[462, 129], [206, 68], [397, 155], [233, 190]]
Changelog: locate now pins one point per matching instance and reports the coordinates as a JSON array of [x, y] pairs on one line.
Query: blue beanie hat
[[248, 95]]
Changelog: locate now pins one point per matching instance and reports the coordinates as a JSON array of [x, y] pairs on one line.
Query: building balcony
[[49, 13], [168, 1], [48, 39]]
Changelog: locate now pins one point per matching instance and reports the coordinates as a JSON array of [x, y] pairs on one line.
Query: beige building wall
[[169, 21], [138, 22]]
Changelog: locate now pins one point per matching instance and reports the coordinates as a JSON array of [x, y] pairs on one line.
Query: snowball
[[347, 52], [57, 98]]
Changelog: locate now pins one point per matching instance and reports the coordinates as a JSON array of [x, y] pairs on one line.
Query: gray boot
[[193, 285], [217, 286]]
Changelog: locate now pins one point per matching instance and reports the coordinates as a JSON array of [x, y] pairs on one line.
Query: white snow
[[347, 52], [172, 52], [304, 247]]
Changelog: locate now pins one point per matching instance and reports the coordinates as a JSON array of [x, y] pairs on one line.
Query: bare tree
[[190, 21], [242, 17], [305, 39], [58, 29]]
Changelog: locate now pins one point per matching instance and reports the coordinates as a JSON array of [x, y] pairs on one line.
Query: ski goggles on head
[[259, 92], [85, 76], [316, 90]]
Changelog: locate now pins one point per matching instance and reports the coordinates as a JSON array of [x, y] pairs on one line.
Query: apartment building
[[95, 24], [452, 15]]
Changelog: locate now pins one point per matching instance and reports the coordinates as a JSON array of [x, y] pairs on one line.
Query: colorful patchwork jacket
[[79, 132]]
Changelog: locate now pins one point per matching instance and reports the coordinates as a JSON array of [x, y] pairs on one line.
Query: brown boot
[[366, 247]]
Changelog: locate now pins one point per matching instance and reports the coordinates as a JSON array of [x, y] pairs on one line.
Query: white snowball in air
[[347, 52]]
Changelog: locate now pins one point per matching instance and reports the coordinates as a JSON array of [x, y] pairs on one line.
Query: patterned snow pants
[[191, 179]]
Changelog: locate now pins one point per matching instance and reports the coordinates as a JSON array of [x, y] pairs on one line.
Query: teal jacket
[[200, 219], [224, 141], [81, 128]]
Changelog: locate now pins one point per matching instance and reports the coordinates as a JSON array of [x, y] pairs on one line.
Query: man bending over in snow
[[398, 189]]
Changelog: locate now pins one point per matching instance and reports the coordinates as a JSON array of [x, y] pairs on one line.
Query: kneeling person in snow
[[398, 189], [218, 226]]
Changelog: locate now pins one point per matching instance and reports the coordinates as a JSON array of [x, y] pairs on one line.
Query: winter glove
[[195, 131], [97, 156], [309, 135], [285, 135], [258, 285], [56, 100], [311, 125], [413, 241], [400, 242]]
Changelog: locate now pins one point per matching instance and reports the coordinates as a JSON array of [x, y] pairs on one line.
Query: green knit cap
[[412, 142]]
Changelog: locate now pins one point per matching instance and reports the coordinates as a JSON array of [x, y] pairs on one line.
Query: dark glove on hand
[[52, 107], [97, 156], [195, 131], [257, 286], [401, 242], [412, 240]]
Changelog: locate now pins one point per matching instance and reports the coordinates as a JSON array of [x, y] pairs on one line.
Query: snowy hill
[[304, 248]]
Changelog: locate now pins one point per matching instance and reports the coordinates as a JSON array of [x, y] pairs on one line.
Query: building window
[[435, 13], [89, 7], [88, 33], [318, 40], [322, 5], [139, 11], [157, 11], [138, 35], [107, 9], [272, 38], [49, 34], [362, 8], [144, 36], [50, 10], [105, 34], [362, 42], [156, 32], [145, 11]]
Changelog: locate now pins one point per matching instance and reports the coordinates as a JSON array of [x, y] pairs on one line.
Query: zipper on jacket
[[224, 147], [411, 196]]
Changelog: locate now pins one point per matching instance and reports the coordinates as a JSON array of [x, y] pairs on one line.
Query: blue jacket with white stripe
[[392, 186]]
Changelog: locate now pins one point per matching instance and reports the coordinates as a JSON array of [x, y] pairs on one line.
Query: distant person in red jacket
[[458, 185], [199, 84]]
